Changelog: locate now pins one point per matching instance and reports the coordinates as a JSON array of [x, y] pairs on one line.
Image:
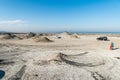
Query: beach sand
[[67, 58]]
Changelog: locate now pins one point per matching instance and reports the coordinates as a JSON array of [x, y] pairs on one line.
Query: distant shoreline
[[88, 33]]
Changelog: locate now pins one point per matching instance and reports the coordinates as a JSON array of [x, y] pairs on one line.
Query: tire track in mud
[[97, 76], [107, 63], [62, 58], [6, 62], [19, 74]]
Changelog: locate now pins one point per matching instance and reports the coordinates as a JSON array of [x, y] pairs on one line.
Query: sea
[[91, 32], [98, 32]]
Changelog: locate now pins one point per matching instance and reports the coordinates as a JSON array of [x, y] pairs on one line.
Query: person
[[112, 45], [2, 74]]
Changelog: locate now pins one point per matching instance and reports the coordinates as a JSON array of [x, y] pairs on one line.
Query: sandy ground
[[67, 58]]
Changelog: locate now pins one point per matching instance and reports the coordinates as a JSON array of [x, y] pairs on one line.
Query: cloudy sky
[[60, 15]]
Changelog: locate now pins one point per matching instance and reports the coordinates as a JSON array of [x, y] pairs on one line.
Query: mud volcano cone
[[42, 39], [74, 35], [6, 36]]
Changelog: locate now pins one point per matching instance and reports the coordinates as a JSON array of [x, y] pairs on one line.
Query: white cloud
[[14, 26], [12, 22]]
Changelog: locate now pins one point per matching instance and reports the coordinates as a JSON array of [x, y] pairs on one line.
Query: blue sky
[[60, 15]]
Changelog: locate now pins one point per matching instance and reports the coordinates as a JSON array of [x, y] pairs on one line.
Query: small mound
[[65, 33], [74, 35], [38, 34], [30, 35], [9, 36], [42, 39], [17, 38], [5, 37]]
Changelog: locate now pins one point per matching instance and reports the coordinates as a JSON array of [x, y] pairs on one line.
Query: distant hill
[[3, 32]]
